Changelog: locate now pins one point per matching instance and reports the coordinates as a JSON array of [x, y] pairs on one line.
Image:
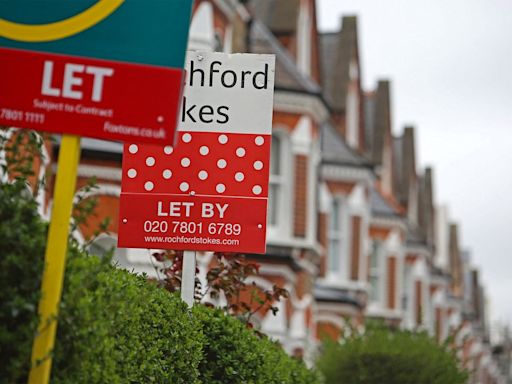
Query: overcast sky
[[450, 63]]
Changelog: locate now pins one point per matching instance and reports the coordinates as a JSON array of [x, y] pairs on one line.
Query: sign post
[[209, 191], [108, 69], [55, 259], [188, 277]]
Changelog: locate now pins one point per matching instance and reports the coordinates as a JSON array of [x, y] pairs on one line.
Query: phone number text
[[191, 227]]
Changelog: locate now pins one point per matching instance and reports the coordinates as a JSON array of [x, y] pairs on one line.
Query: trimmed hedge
[[235, 354], [116, 327], [383, 355]]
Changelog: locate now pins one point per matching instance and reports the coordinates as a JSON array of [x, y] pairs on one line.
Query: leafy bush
[[23, 238], [234, 354], [116, 327], [227, 278], [382, 355]]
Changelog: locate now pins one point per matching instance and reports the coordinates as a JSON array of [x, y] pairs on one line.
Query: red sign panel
[[89, 97], [200, 223], [209, 192]]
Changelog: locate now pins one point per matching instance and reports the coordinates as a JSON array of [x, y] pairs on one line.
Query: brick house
[[341, 289]]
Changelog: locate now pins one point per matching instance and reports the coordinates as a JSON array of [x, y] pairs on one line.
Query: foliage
[[21, 149], [384, 355], [116, 327], [84, 206], [23, 238], [235, 354], [227, 279]]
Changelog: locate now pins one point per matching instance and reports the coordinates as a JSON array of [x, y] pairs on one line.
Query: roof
[[280, 16], [288, 76], [336, 150], [337, 51], [380, 206]]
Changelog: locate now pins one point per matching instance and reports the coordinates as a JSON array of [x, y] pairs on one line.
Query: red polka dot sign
[[209, 191]]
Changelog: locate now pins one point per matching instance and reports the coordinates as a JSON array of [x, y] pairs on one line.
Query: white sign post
[[188, 277]]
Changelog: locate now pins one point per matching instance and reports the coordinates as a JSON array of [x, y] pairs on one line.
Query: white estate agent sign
[[210, 191]]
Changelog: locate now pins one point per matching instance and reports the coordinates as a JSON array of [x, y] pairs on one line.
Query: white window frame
[[379, 271], [280, 230], [334, 236], [409, 295], [341, 235]]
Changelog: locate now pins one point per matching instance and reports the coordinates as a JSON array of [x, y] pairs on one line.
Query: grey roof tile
[[379, 205], [336, 150]]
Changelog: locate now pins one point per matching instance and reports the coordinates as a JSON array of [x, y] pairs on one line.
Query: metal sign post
[[188, 277]]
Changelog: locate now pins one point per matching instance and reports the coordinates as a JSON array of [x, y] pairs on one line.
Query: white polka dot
[[187, 138], [132, 173], [222, 163], [184, 187], [150, 161], [203, 175], [168, 149], [133, 148], [220, 188], [258, 165], [149, 186], [256, 189], [167, 174], [239, 176], [185, 162], [240, 152], [204, 150], [223, 139], [259, 140]]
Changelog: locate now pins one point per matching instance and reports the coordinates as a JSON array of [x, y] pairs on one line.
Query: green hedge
[[115, 327], [22, 242], [235, 354], [382, 355]]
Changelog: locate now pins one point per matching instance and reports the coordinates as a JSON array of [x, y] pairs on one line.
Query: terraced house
[[354, 230]]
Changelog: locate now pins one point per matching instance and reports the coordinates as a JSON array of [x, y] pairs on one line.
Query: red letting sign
[[209, 192], [89, 97]]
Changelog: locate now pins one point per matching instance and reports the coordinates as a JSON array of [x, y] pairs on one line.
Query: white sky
[[450, 63]]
